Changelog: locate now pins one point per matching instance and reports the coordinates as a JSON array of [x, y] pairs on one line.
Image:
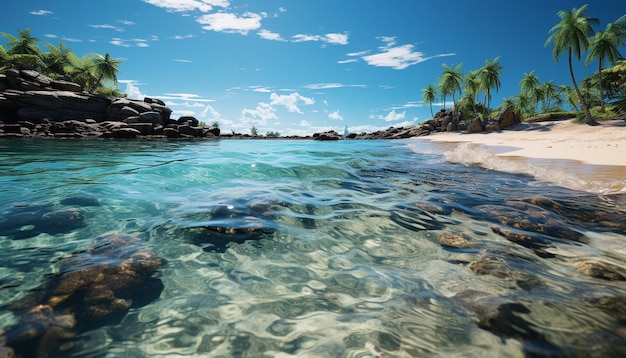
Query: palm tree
[[605, 45], [549, 93], [490, 78], [571, 34], [25, 44], [106, 68], [450, 82], [472, 88], [57, 59], [22, 51], [430, 95], [530, 87], [81, 71]]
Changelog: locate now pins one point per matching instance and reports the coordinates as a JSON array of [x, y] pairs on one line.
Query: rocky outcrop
[[327, 136], [32, 104]]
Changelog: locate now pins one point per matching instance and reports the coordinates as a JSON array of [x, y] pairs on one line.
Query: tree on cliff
[[605, 45], [22, 50], [105, 68], [57, 59], [572, 34]]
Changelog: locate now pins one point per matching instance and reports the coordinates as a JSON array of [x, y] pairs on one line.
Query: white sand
[[604, 144], [579, 156]]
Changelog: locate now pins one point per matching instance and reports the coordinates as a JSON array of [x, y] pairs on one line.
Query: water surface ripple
[[309, 249]]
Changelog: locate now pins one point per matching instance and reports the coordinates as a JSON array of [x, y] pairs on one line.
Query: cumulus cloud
[[268, 35], [228, 22], [41, 12], [393, 116], [210, 113], [188, 5], [132, 91], [332, 38], [263, 112], [291, 101], [397, 57], [335, 116]]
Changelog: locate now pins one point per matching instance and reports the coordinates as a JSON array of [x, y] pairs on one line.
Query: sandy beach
[[578, 156]]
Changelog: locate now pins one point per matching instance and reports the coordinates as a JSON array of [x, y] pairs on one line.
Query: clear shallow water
[[302, 248]]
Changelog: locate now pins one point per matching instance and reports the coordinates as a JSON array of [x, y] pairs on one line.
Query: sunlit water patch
[[300, 248]]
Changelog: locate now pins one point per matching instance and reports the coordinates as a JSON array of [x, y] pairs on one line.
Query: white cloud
[[184, 97], [129, 42], [260, 89], [210, 113], [41, 12], [291, 101], [126, 22], [181, 37], [397, 57], [319, 86], [332, 38], [132, 91], [335, 116], [107, 26], [394, 116], [263, 112], [304, 123], [189, 5], [347, 61], [268, 35], [51, 36], [227, 22], [181, 60]]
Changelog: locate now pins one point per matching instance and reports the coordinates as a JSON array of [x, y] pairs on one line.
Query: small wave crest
[[554, 171]]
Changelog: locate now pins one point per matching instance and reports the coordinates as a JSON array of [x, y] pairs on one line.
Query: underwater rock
[[504, 317], [533, 242], [31, 220], [93, 285], [81, 200], [528, 217], [455, 240], [600, 270], [234, 221]]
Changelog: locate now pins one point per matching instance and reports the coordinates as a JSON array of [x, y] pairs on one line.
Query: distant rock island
[[35, 105]]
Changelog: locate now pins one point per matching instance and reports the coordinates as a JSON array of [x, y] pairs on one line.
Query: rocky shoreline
[[34, 105]]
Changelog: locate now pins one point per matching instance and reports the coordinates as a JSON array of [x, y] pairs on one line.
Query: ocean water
[[306, 249]]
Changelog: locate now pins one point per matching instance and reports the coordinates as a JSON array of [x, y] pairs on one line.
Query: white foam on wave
[[565, 173], [570, 174]]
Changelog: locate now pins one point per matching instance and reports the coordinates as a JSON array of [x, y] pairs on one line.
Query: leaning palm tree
[[430, 95], [490, 78], [81, 71], [605, 45], [105, 68], [450, 81], [571, 34]]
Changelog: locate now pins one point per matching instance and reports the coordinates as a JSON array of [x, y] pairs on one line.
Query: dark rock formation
[[32, 104], [31, 220], [327, 136], [97, 284]]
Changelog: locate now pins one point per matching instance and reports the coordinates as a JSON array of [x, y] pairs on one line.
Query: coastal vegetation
[[602, 95], [94, 72]]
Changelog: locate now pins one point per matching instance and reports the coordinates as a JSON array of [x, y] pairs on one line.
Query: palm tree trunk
[[431, 109], [602, 108], [588, 119]]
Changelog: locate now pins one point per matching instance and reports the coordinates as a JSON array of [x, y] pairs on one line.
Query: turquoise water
[[313, 249]]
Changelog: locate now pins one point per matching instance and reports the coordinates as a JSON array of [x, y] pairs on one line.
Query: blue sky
[[305, 66]]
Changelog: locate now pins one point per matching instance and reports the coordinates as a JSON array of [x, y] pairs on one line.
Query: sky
[[298, 67]]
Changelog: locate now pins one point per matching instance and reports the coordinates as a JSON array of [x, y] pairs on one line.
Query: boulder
[[508, 118], [188, 120], [164, 111], [114, 111], [171, 133], [125, 133], [191, 131], [475, 127], [493, 127], [214, 131], [327, 136], [151, 117], [143, 128], [62, 85]]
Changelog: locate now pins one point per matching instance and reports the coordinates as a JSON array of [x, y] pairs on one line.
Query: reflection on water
[[313, 249]]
